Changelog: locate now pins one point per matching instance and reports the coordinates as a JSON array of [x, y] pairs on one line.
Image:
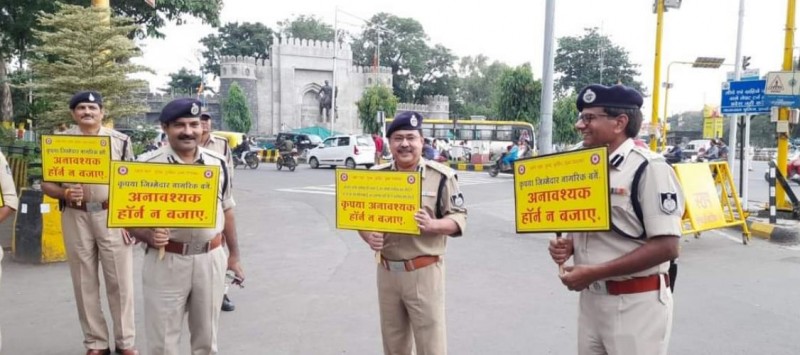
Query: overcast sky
[[513, 32]]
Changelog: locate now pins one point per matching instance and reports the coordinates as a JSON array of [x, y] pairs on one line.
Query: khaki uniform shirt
[[225, 201], [9, 190], [121, 149], [406, 247], [661, 203], [220, 146]]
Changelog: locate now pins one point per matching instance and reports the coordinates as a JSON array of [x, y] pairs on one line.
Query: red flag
[[152, 3]]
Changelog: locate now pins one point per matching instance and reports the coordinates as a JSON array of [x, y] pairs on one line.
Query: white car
[[348, 150]]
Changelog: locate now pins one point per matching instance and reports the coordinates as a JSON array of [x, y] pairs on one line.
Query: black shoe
[[227, 305]]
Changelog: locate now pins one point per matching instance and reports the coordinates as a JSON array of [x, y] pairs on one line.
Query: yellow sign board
[[163, 195], [702, 202], [76, 159], [563, 192], [380, 201], [712, 127]]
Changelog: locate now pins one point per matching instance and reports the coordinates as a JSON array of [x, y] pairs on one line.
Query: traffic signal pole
[[783, 139]]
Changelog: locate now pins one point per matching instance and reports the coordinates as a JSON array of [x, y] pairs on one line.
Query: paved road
[[311, 288]]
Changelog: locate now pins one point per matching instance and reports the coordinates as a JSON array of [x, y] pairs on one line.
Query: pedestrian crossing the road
[[465, 178]]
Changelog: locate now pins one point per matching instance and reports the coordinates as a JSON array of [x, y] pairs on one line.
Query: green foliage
[[306, 27], [79, 51], [235, 112], [154, 19], [417, 69], [519, 95], [477, 86], [184, 82], [565, 113], [375, 98], [247, 39], [578, 61]]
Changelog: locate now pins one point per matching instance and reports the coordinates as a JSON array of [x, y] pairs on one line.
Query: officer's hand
[[235, 266], [560, 249], [74, 193], [578, 277], [159, 237], [427, 224], [374, 239]]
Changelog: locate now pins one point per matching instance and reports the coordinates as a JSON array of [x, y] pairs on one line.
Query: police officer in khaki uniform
[[220, 146], [10, 199], [411, 273], [625, 300], [191, 277], [90, 244]]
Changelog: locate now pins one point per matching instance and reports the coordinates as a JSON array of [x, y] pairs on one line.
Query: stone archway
[[309, 107]]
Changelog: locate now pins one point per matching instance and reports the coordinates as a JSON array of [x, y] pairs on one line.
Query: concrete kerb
[[785, 231]]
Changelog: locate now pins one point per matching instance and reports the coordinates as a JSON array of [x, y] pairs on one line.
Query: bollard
[[773, 218], [37, 229]]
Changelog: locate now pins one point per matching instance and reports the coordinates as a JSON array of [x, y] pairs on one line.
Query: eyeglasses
[[587, 118]]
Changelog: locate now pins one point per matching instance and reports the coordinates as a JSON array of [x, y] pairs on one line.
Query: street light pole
[[656, 73], [783, 141]]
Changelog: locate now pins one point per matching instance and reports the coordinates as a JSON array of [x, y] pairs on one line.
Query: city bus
[[484, 136]]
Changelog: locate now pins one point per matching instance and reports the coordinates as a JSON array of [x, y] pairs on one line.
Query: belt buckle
[[94, 206], [396, 265], [599, 287]]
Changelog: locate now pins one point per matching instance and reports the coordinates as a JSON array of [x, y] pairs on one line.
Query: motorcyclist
[[286, 148], [712, 153], [674, 154], [520, 150], [243, 148]]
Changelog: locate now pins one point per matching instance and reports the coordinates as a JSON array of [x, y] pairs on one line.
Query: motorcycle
[[288, 160], [251, 159], [498, 167]]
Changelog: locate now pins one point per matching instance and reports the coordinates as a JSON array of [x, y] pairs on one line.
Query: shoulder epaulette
[[441, 168]]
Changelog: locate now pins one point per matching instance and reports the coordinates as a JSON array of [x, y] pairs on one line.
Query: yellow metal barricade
[[711, 198]]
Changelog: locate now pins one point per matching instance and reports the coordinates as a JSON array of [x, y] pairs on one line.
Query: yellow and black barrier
[[38, 237], [711, 198], [268, 155]]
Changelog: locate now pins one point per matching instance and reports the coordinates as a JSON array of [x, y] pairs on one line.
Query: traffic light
[[745, 62]]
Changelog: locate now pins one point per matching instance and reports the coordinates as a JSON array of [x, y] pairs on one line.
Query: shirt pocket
[[623, 216]]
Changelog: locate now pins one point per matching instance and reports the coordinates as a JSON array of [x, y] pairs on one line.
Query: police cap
[[85, 96], [180, 108], [617, 96], [205, 116], [407, 120]]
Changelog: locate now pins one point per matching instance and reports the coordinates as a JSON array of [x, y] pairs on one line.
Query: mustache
[[405, 150], [185, 136]]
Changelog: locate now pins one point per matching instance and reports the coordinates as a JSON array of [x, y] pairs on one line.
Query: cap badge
[[91, 97], [195, 109], [413, 121], [589, 96]]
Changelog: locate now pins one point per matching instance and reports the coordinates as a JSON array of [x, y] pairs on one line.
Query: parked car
[[303, 142], [348, 150]]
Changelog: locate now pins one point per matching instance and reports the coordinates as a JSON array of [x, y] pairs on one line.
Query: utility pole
[[546, 126], [335, 49], [737, 74], [783, 139]]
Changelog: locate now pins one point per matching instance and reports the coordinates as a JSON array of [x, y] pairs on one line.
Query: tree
[[519, 95], [247, 39], [375, 98], [80, 51], [184, 82], [417, 69], [565, 114], [306, 27], [235, 112], [477, 85], [592, 59]]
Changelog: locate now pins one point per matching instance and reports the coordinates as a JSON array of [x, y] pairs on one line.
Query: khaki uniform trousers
[[90, 244], [412, 310], [631, 324], [177, 284]]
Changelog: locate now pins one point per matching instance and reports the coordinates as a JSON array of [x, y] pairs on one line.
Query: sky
[[513, 32]]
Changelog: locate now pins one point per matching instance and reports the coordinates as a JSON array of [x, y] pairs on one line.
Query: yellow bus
[[476, 130]]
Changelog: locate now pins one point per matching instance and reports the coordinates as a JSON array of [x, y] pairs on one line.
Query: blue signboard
[[744, 97], [782, 100]]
